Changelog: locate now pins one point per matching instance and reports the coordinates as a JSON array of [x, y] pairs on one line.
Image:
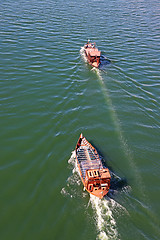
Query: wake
[[105, 222], [117, 124], [114, 116], [103, 208]]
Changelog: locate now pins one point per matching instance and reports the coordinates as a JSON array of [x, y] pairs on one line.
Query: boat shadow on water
[[104, 62], [117, 184]]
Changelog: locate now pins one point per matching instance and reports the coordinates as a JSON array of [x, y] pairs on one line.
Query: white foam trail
[[74, 179], [106, 224], [72, 158], [83, 54], [103, 208], [117, 125]]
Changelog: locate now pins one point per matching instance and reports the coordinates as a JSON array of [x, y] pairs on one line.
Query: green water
[[49, 95]]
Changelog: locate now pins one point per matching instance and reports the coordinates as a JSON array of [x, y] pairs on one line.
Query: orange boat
[[94, 175], [92, 54]]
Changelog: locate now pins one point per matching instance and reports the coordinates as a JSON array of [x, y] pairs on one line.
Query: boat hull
[[94, 175], [92, 54]]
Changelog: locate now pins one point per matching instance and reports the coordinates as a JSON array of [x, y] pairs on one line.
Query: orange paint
[[92, 54], [94, 175]]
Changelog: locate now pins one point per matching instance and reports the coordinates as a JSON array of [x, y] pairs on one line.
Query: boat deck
[[88, 159]]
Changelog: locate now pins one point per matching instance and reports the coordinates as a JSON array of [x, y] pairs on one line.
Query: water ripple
[[49, 95]]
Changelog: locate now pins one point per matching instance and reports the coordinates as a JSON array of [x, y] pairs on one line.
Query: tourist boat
[[92, 54], [94, 175]]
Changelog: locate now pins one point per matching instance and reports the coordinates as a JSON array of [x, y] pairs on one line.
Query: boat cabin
[[97, 179], [92, 53]]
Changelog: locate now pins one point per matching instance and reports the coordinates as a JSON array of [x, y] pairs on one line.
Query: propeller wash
[[102, 208]]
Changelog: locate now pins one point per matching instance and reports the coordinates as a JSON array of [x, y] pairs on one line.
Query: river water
[[49, 95]]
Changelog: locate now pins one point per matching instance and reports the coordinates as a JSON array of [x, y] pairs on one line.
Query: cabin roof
[[93, 52]]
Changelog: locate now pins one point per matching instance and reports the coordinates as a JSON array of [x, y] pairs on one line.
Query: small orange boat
[[92, 54], [94, 175]]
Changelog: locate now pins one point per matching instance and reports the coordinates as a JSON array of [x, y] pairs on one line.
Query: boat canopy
[[93, 52]]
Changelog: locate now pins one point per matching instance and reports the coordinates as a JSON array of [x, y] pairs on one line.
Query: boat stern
[[99, 193], [95, 64], [97, 182]]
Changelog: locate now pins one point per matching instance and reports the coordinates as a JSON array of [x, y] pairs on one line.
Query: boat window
[[96, 173], [90, 173]]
